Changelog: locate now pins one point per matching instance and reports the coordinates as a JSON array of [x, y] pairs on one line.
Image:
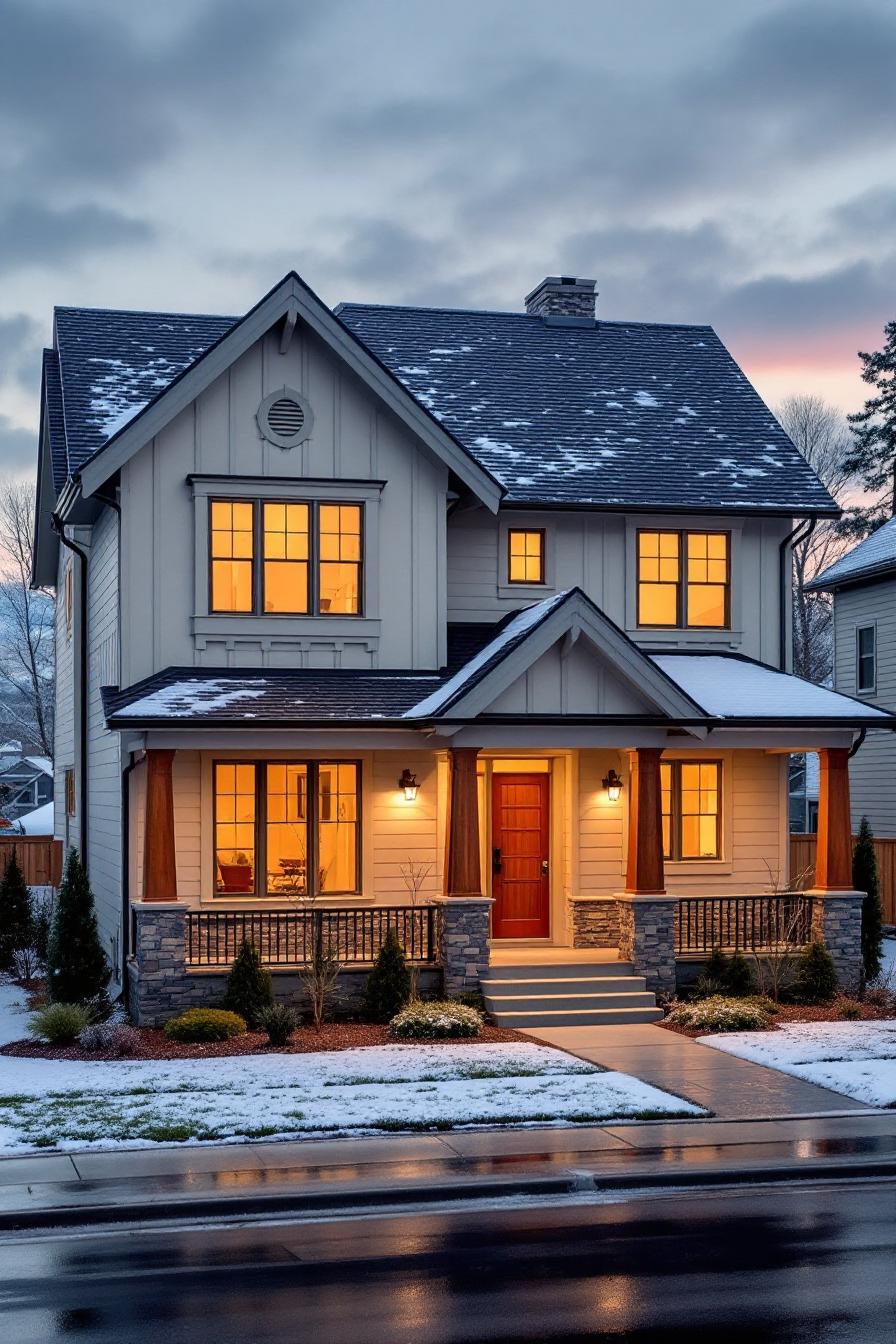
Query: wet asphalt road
[[798, 1263]]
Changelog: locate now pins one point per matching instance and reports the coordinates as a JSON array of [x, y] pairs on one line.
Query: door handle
[[496, 860], [544, 867]]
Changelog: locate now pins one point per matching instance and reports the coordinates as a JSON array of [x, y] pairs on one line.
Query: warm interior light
[[613, 786], [408, 782]]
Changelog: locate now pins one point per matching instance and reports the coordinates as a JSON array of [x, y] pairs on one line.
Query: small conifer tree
[[15, 914], [865, 878], [739, 979], [250, 990], [388, 985], [816, 976], [77, 969]]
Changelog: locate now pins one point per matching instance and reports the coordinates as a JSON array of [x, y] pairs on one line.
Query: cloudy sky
[[732, 163]]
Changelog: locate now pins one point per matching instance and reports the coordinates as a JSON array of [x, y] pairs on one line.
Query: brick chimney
[[562, 296]]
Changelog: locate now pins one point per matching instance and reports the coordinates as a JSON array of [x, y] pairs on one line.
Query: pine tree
[[816, 975], [250, 989], [77, 969], [865, 878], [873, 455], [388, 985], [15, 914]]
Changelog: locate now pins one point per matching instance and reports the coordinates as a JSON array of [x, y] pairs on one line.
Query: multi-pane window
[[525, 555], [691, 808], [287, 828], [339, 572], [684, 579], [311, 557], [866, 657]]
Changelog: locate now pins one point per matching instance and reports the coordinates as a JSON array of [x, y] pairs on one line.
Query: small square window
[[525, 555]]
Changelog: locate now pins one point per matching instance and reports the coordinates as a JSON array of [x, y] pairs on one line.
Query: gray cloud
[[20, 345], [18, 449], [32, 235]]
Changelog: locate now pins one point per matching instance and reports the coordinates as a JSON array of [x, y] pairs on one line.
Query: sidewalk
[[332, 1174], [729, 1087]]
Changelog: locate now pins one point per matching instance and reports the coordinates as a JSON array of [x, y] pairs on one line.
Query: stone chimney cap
[[563, 296]]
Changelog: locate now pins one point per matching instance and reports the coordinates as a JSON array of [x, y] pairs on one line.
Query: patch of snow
[[614, 406], [856, 1058], [493, 446], [646, 399], [687, 410], [116, 422], [411, 368], [40, 821], [514, 424], [184, 699], [731, 688]]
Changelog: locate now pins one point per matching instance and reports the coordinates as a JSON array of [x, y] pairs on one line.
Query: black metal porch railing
[[768, 923], [288, 937]]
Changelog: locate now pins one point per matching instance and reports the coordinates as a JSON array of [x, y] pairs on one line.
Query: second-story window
[[290, 558], [866, 657], [684, 580], [525, 555]]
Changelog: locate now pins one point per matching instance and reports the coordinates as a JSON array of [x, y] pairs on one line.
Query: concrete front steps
[[560, 993]]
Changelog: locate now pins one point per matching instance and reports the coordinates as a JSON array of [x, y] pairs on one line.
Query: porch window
[[691, 794], [311, 558], [866, 657], [684, 580], [300, 819], [525, 555]]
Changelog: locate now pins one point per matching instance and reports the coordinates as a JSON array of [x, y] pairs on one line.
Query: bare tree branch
[[26, 622]]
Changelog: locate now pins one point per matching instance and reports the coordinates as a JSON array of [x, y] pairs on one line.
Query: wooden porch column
[[159, 866], [463, 874], [833, 862], [644, 874]]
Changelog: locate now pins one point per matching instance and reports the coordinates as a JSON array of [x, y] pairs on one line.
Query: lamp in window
[[613, 785], [408, 784]]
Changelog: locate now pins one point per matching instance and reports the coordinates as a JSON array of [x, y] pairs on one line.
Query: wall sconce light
[[613, 786], [408, 782]]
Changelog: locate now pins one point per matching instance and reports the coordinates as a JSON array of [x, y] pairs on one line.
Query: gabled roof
[[128, 419], [531, 632], [873, 557], [611, 414], [55, 419]]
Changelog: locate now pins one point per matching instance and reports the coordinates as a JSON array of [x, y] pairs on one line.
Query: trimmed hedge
[[205, 1024], [439, 1019]]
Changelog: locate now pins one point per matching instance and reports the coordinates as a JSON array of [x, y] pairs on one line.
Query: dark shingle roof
[[55, 419], [114, 362], [873, 557], [606, 413]]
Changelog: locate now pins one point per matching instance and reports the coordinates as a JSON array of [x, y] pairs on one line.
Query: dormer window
[[684, 580], [311, 558]]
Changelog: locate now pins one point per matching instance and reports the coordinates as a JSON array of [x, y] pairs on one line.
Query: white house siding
[[104, 758], [354, 439], [596, 552], [872, 771]]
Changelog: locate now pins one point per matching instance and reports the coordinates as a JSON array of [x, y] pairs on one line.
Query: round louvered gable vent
[[285, 418]]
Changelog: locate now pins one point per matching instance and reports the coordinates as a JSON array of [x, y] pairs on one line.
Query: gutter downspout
[[858, 742], [126, 875], [790, 540], [59, 529]]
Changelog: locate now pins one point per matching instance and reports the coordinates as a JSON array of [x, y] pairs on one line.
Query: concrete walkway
[[731, 1088]]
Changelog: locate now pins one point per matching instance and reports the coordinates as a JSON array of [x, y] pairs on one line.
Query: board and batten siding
[[595, 551], [354, 439], [872, 771]]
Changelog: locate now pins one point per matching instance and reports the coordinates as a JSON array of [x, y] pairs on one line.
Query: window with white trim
[[866, 657]]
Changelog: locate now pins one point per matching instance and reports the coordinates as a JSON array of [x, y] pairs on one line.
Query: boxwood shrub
[[721, 1014], [205, 1024], [436, 1020]]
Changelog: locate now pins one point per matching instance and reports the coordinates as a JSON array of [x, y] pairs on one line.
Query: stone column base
[[465, 933], [647, 938], [595, 921], [157, 970], [837, 922]]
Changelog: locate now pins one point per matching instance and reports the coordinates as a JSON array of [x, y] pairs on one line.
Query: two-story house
[[475, 623], [863, 584]]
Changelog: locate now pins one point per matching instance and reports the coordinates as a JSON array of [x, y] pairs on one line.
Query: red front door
[[520, 881]]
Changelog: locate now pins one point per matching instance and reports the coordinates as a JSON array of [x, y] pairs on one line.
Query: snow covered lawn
[[856, 1058], [70, 1105]]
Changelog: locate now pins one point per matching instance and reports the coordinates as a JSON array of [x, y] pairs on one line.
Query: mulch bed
[[154, 1044], [794, 1012]]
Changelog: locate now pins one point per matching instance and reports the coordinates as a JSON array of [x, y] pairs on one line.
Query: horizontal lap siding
[[872, 771], [601, 827], [400, 830]]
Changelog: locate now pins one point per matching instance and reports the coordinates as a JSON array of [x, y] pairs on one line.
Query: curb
[[571, 1182]]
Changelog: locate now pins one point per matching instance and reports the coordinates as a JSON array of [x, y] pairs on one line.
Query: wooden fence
[[39, 856], [802, 861]]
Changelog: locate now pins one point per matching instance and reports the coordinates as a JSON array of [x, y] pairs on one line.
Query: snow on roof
[[38, 822], [194, 697], [875, 553], [469, 674], [41, 763], [733, 688]]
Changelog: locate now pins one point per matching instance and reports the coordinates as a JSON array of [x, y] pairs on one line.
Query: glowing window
[[235, 812], [659, 578], [707, 587], [337, 825], [287, 828], [232, 555], [339, 565], [525, 556], [691, 807], [286, 550], [684, 579]]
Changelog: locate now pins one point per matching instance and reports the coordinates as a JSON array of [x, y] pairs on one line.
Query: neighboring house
[[505, 596], [804, 793], [26, 782], [863, 584]]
